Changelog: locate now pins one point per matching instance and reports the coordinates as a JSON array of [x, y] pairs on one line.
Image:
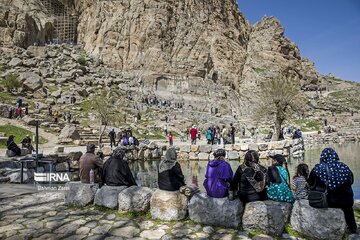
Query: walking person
[[112, 136], [193, 132], [171, 139], [232, 133]]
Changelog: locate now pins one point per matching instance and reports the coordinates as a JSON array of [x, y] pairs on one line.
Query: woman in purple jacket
[[218, 176]]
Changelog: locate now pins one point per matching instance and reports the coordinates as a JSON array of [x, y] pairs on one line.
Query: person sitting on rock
[[116, 171], [300, 186], [250, 179], [218, 176], [170, 176], [12, 146], [89, 161], [335, 177], [278, 188], [26, 143]]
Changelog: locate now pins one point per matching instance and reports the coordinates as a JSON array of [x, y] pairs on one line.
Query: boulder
[[316, 223], [10, 153], [32, 81], [135, 199], [268, 216], [29, 121], [166, 205], [215, 211], [74, 156], [263, 146], [233, 155], [69, 131], [107, 196], [62, 167], [80, 194], [253, 146], [193, 156], [15, 62], [6, 111], [244, 147], [194, 148], [205, 148], [15, 177]]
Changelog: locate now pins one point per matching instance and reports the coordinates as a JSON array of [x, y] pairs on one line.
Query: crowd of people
[[124, 138], [251, 181]]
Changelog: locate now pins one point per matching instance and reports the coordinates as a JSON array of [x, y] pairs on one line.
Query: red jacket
[[193, 133]]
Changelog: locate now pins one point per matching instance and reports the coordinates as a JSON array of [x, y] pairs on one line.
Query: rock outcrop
[[135, 199], [170, 49], [317, 223], [107, 196], [215, 211], [167, 205], [268, 216]]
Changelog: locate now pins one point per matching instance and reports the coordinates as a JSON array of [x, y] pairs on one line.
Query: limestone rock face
[[317, 223], [80, 194], [32, 81], [215, 211], [268, 216], [107, 196], [7, 111], [23, 23], [167, 205], [135, 199]]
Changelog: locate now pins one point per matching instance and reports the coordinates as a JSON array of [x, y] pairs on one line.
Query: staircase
[[65, 23]]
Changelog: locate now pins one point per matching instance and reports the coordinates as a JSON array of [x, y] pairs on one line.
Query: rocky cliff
[[201, 53]]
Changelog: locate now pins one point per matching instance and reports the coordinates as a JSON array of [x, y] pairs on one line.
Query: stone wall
[[342, 136], [238, 151]]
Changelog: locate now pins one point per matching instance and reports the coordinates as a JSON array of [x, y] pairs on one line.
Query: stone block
[[215, 147], [244, 147], [74, 156], [193, 156], [62, 167], [108, 196], [135, 199], [184, 148], [166, 205], [194, 148], [237, 147], [228, 147], [58, 149], [233, 155], [276, 145], [215, 211], [268, 216], [205, 148], [80, 194], [263, 147], [183, 156], [203, 156], [253, 146], [316, 223]]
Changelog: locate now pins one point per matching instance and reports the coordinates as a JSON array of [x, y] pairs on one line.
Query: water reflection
[[146, 172]]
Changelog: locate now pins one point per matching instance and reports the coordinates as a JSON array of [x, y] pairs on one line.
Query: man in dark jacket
[[12, 146], [116, 171], [112, 136], [89, 161]]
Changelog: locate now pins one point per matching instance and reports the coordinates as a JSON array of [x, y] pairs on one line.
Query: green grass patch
[[87, 106], [259, 70], [8, 98], [2, 68], [81, 60], [309, 125], [253, 233], [338, 94], [19, 133], [289, 230]]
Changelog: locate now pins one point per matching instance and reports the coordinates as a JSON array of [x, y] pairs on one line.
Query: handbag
[[317, 198]]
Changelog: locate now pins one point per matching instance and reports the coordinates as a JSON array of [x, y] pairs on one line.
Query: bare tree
[[280, 98], [105, 111]]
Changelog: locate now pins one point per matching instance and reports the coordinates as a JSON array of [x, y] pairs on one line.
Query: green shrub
[[81, 60], [11, 82], [2, 68]]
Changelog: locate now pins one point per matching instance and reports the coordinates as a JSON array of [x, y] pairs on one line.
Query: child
[[170, 138], [300, 185]]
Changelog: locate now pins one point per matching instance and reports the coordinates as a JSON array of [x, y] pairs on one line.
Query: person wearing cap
[[12, 146], [26, 143], [116, 171], [170, 177], [278, 188], [90, 161], [218, 176]]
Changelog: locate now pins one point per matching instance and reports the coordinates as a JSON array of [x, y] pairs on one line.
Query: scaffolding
[[65, 22]]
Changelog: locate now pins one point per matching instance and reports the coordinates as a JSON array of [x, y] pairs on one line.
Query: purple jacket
[[218, 173]]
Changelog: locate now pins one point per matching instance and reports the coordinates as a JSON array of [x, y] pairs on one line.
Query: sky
[[326, 31]]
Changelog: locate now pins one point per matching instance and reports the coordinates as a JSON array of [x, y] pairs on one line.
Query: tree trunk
[[278, 123], [101, 133]]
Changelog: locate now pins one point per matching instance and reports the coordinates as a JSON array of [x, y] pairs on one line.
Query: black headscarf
[[169, 160], [254, 172]]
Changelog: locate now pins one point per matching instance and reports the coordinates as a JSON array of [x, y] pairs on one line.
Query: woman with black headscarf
[[116, 171], [170, 176], [337, 178], [250, 179], [12, 146]]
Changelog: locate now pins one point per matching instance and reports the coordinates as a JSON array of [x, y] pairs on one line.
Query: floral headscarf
[[330, 170]]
